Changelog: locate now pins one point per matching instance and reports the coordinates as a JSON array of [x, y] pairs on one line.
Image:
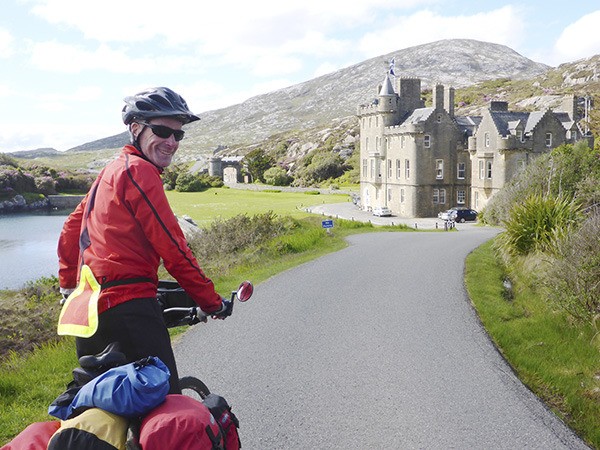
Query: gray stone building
[[506, 141], [419, 160]]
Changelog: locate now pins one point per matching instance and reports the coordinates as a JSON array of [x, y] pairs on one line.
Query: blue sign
[[327, 223]]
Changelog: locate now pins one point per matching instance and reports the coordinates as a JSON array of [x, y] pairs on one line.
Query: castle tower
[[215, 167], [409, 90]]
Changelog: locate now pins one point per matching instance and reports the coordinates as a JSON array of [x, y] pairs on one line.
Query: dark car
[[464, 214]]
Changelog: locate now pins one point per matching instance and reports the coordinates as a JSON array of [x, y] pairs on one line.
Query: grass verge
[[558, 360]]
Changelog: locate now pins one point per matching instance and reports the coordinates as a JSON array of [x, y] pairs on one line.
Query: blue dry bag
[[130, 390]]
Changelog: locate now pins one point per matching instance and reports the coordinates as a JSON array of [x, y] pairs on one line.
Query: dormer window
[[520, 135], [427, 141], [548, 139]]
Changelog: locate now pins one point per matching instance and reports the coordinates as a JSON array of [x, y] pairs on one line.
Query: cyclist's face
[[159, 150]]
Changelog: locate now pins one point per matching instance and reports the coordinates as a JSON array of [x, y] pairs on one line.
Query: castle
[[419, 161]]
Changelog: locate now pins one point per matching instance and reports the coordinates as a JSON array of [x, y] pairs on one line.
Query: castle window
[[461, 197], [461, 171], [365, 166], [372, 168], [488, 169], [398, 169], [407, 169], [486, 137], [402, 195], [439, 169], [427, 141], [389, 164], [389, 194], [442, 196], [481, 169], [548, 139], [436, 196]]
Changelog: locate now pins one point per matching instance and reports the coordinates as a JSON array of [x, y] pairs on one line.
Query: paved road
[[374, 346]]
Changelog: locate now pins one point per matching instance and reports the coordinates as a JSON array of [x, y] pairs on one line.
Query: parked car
[[382, 211], [458, 214]]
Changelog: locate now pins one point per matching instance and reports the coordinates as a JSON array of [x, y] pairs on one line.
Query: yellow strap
[[79, 314]]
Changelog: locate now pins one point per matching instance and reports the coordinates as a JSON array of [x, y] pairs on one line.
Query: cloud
[[58, 57], [502, 26], [578, 40], [6, 43]]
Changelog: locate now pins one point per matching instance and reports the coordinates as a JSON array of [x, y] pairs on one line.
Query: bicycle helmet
[[156, 102]]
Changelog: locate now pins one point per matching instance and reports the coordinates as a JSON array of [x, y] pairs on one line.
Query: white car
[[382, 211]]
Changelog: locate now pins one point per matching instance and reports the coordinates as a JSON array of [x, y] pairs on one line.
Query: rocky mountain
[[319, 102]]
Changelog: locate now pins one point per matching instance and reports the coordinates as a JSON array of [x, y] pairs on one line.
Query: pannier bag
[[227, 421], [180, 423], [130, 391], [93, 429], [34, 437]]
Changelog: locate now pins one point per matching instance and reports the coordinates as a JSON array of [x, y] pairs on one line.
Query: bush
[[276, 176], [45, 185], [535, 224], [225, 240], [572, 280]]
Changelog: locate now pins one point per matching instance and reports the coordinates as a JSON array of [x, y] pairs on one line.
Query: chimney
[[498, 106], [449, 101], [438, 96]]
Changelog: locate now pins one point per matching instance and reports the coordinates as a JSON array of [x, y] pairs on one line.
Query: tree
[[258, 162]]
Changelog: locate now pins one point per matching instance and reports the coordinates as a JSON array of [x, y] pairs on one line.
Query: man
[[117, 236]]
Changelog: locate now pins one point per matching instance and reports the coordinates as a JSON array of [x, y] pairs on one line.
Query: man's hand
[[65, 293], [225, 311]]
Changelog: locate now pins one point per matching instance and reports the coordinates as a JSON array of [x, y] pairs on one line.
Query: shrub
[[536, 223], [45, 185], [225, 240], [276, 176], [572, 280]]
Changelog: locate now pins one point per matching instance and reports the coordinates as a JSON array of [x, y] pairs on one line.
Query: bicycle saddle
[[111, 356]]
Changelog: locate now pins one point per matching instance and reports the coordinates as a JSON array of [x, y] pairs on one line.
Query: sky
[[66, 65]]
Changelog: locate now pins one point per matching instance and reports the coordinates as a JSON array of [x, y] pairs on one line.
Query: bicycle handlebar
[[190, 315]]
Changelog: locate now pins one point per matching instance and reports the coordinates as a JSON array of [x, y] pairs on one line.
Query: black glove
[[225, 311]]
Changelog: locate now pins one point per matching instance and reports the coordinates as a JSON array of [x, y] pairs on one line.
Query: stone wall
[[64, 201]]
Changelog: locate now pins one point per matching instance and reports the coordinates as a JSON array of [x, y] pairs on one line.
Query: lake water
[[28, 247]]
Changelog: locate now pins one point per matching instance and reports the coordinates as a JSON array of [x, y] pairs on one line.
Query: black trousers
[[139, 328]]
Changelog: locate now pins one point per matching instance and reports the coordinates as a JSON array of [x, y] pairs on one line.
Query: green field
[[204, 207]]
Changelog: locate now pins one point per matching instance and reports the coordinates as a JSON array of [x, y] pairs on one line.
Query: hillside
[[305, 113]]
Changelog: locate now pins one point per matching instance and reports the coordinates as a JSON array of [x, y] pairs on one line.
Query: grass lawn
[[216, 203]]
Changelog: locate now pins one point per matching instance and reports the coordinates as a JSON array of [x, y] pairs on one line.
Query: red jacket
[[131, 227]]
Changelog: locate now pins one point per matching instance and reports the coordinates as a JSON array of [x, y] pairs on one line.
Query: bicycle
[[178, 310]]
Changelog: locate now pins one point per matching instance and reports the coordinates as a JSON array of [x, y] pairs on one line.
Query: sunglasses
[[164, 132]]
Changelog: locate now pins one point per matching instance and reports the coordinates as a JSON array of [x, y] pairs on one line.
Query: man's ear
[[135, 128]]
